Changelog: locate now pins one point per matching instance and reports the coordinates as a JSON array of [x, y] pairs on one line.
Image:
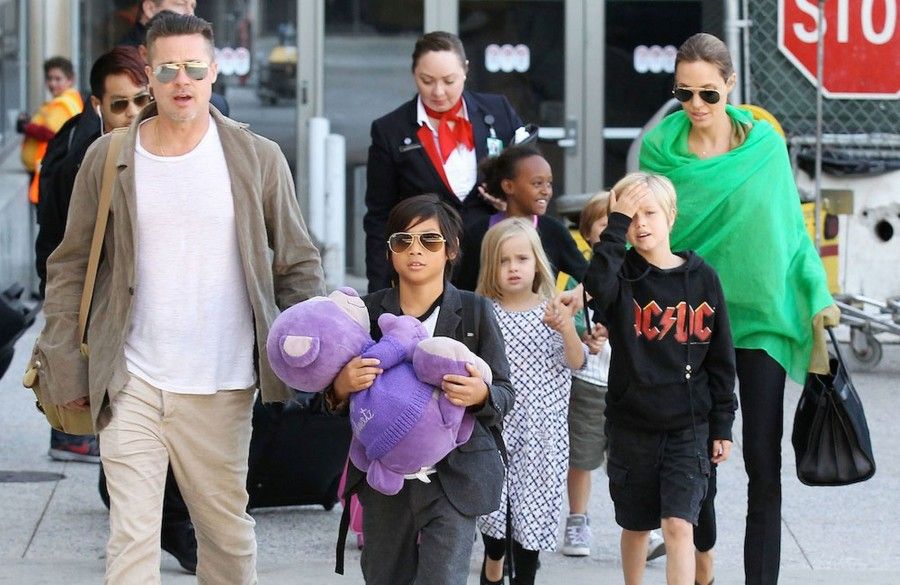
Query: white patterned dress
[[535, 430]]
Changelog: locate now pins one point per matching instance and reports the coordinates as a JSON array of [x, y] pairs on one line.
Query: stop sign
[[862, 45]]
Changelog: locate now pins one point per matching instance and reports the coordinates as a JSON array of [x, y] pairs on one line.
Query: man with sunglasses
[[148, 10], [119, 89], [205, 244]]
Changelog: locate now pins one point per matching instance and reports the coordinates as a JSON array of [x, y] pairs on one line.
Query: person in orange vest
[[43, 126]]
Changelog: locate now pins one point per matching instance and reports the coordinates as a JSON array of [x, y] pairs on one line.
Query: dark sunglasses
[[196, 70], [401, 241], [685, 94], [117, 106]]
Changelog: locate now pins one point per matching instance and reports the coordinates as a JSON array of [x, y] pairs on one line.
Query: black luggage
[[297, 454]]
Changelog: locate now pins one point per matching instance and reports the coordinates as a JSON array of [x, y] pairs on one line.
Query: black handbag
[[831, 438]]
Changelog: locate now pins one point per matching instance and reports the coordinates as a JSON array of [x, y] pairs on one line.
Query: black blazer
[[399, 168], [472, 474]]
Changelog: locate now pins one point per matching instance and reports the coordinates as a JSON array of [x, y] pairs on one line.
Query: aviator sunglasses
[[196, 70], [402, 241], [119, 105], [685, 94]]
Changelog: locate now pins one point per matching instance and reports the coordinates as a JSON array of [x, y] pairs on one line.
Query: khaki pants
[[206, 439]]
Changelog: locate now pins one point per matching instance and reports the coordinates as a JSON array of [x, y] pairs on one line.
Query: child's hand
[[629, 200], [596, 338], [721, 449], [495, 202], [465, 390], [558, 317], [358, 375]]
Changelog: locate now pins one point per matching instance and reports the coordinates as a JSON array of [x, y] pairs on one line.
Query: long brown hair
[[709, 48]]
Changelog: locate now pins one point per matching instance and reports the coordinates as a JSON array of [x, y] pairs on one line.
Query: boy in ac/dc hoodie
[[671, 378]]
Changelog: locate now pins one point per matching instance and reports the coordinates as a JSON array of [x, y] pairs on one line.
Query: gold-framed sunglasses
[[400, 242], [686, 94], [166, 72], [119, 105]]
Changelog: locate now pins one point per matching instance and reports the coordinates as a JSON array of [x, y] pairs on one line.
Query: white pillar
[[318, 132], [334, 261]]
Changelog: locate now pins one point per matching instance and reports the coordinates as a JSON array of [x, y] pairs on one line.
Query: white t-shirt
[[461, 166], [191, 327]]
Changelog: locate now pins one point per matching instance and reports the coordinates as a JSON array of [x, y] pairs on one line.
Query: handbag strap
[[103, 205], [836, 346]]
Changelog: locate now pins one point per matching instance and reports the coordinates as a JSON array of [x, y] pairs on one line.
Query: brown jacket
[[281, 265]]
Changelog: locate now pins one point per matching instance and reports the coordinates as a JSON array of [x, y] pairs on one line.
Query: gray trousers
[[415, 537]]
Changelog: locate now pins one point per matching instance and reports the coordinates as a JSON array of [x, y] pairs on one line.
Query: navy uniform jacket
[[399, 168]]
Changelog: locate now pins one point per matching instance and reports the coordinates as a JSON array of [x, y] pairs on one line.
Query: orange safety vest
[[52, 115]]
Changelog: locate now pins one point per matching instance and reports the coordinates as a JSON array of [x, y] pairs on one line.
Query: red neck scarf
[[460, 134]]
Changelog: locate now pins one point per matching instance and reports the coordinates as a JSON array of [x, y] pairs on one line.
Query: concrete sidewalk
[[55, 532]]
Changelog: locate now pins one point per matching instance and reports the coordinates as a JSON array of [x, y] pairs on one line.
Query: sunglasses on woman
[[686, 94], [402, 241], [196, 70], [119, 105]]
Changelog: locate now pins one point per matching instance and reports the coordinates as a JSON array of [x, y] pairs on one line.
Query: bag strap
[[837, 348], [103, 205]]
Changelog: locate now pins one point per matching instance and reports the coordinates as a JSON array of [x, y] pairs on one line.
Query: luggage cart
[[864, 325], [859, 185]]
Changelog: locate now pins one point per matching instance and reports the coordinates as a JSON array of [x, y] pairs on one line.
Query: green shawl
[[741, 212]]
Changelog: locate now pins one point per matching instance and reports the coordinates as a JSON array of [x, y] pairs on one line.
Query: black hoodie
[[669, 336]]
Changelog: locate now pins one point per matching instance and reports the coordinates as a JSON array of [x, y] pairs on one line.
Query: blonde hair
[[489, 275], [596, 208], [661, 187]]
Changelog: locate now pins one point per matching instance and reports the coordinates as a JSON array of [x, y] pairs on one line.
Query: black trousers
[[762, 381], [705, 530]]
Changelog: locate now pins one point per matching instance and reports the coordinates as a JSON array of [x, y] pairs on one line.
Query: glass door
[[517, 48], [546, 56]]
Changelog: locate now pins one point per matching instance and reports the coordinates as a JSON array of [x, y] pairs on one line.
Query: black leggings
[[762, 406], [525, 561], [705, 530], [761, 385]]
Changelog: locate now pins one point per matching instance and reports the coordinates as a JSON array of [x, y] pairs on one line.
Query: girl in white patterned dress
[[542, 348]]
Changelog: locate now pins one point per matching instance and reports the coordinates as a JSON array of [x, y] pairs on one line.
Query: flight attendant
[[432, 144]]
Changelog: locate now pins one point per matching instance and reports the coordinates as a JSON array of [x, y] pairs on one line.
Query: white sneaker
[[657, 546], [577, 542]]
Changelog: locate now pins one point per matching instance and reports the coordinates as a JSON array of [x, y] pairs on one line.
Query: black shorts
[[657, 474]]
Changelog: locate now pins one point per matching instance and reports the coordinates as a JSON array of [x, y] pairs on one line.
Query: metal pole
[[733, 40], [745, 69], [820, 73]]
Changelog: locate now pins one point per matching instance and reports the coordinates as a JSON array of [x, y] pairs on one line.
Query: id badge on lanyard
[[494, 144]]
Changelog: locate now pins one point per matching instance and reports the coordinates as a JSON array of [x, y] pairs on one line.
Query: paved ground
[[55, 532]]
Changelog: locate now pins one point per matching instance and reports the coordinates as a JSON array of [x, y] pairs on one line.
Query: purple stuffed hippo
[[403, 424]]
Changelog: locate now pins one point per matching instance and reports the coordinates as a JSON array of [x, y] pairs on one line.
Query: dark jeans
[[762, 406]]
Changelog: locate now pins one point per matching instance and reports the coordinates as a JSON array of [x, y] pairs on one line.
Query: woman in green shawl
[[739, 209]]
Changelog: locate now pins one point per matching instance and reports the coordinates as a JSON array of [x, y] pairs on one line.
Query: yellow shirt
[[52, 115]]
